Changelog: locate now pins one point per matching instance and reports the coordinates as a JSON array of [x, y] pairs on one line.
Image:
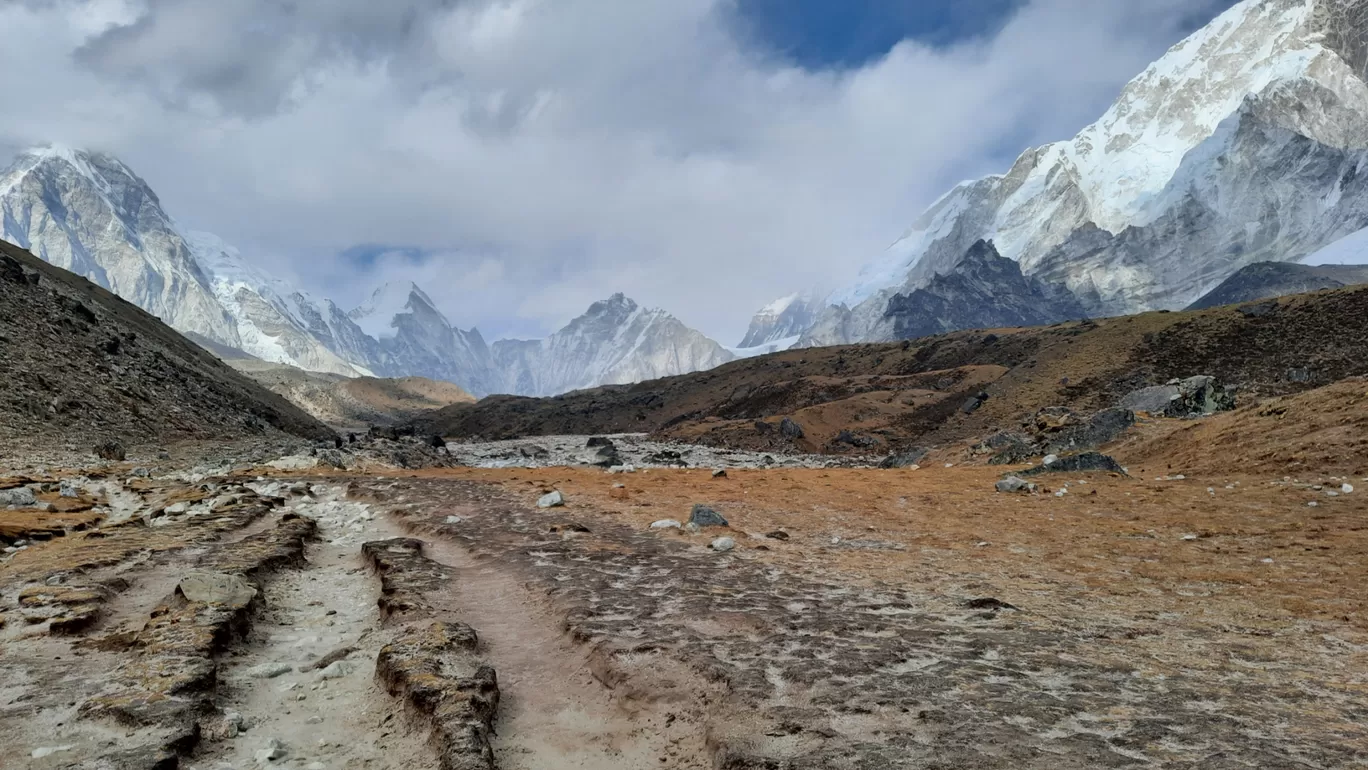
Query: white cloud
[[592, 146]]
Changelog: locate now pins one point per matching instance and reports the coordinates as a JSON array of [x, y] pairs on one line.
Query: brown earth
[[912, 393], [349, 402], [79, 366]]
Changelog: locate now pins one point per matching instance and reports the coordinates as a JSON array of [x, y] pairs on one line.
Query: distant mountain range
[[1246, 143], [91, 214]]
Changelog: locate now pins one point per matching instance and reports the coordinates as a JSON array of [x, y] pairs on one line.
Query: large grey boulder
[[1190, 397], [19, 497]]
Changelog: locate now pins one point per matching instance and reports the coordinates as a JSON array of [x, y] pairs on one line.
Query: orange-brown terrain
[[195, 573]]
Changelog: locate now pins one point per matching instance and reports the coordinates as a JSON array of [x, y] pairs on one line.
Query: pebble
[[723, 544], [1347, 489], [1189, 537], [720, 473], [551, 500], [454, 520], [1050, 460], [666, 524], [314, 720], [44, 751]]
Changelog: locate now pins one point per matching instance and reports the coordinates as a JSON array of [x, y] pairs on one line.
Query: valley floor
[[864, 619]]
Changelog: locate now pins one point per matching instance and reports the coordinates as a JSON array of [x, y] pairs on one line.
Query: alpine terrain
[[1245, 143], [91, 214]]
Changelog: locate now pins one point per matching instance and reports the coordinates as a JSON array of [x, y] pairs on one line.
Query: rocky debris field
[[1188, 599], [84, 369]]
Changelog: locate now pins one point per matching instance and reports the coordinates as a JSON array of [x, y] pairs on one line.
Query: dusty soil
[[1203, 611]]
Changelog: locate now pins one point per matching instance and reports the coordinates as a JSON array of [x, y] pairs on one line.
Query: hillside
[[82, 366], [1276, 279], [354, 401], [918, 392]]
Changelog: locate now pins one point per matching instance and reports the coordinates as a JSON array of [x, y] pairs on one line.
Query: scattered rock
[[988, 603], [604, 455], [216, 588], [859, 441], [666, 524], [1191, 397], [790, 429], [1050, 460], [269, 670], [1015, 484], [720, 473], [778, 534], [904, 459], [722, 544], [534, 452], [551, 500], [1347, 488], [336, 670], [1087, 461], [275, 750], [703, 516], [622, 469], [19, 497], [973, 404], [453, 520], [47, 751], [110, 450], [68, 489]]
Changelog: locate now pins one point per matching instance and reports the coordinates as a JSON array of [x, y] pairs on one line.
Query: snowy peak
[[615, 341], [376, 316], [783, 319]]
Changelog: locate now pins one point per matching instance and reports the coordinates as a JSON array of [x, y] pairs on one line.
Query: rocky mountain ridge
[[1245, 143], [90, 214]]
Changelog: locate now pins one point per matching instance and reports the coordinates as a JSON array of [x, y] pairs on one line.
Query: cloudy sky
[[520, 159]]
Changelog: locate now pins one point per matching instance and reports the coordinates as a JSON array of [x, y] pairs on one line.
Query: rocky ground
[[308, 613]]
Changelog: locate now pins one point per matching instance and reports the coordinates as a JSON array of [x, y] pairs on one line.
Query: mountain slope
[[81, 366], [353, 401], [1261, 117], [614, 342], [1264, 280], [88, 213], [782, 319], [984, 291]]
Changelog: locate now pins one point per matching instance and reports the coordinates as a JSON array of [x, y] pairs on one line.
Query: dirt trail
[[555, 713], [276, 696]]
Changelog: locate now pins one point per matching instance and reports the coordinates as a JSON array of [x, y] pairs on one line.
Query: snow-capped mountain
[[90, 214], [414, 338], [1244, 143], [784, 319], [614, 342]]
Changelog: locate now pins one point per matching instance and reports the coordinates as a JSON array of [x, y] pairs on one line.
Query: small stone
[[778, 534], [314, 720], [454, 520], [704, 516], [720, 473], [622, 469], [1347, 489], [177, 508], [692, 528], [551, 500], [1050, 460], [336, 670], [1189, 537], [274, 750], [68, 489], [269, 670], [46, 751], [666, 524], [723, 544], [1014, 484]]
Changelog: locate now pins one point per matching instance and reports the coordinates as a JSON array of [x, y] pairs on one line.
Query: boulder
[[904, 459], [973, 404], [790, 429], [216, 588], [1100, 428], [857, 440], [722, 544], [598, 441], [1015, 484], [1087, 461], [703, 516], [110, 450], [19, 497], [1191, 397], [534, 452], [603, 453]]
